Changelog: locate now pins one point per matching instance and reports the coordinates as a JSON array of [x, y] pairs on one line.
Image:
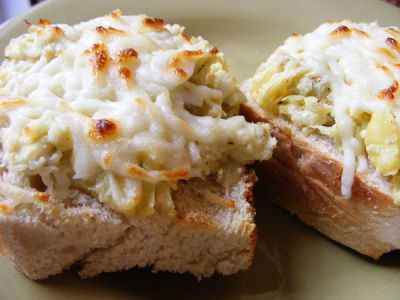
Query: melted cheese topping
[[121, 107], [331, 82]]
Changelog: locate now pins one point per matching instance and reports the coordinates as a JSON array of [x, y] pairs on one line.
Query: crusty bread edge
[[306, 180]]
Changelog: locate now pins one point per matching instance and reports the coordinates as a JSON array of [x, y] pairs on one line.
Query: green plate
[[291, 261]]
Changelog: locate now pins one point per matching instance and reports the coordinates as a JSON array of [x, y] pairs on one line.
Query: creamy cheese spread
[[340, 81], [121, 107]]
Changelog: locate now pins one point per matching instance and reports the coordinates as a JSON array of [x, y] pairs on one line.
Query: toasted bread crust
[[304, 178]]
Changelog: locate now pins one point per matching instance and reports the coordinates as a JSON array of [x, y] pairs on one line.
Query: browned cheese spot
[[124, 72], [294, 35], [42, 197], [99, 60], [125, 54], [383, 68], [393, 31], [109, 30], [136, 171], [393, 44], [174, 62], [99, 57], [187, 38], [115, 30], [388, 93], [385, 52], [115, 14], [328, 22], [189, 53], [360, 32], [44, 22], [57, 30], [176, 174], [341, 30], [180, 72], [101, 29], [213, 51], [153, 22], [101, 129]]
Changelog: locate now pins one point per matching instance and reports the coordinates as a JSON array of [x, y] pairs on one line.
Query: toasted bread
[[304, 177], [121, 146], [332, 99]]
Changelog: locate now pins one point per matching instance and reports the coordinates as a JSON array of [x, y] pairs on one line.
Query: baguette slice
[[122, 146], [325, 94], [43, 239], [304, 177]]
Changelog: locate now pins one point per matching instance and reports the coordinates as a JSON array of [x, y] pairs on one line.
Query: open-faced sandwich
[[121, 146], [333, 99]]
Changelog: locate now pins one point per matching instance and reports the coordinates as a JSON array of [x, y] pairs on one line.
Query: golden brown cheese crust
[[153, 22], [368, 222], [102, 129], [388, 93]]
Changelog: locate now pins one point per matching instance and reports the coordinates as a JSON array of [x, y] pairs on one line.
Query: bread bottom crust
[[305, 179]]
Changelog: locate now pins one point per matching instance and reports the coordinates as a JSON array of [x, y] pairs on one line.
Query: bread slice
[[122, 146], [43, 239], [304, 177], [317, 94]]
